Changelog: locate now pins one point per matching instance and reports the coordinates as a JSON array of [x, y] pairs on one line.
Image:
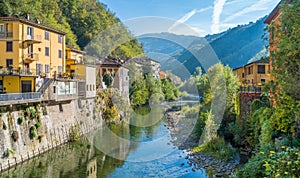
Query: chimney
[[27, 16]]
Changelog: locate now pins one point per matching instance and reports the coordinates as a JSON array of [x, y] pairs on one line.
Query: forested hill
[[82, 20], [234, 47]]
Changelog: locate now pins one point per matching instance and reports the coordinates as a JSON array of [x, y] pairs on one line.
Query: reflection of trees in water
[[77, 159]]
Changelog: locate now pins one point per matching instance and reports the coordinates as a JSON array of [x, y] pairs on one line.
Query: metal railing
[[32, 56], [14, 71], [19, 96], [34, 37], [250, 89]]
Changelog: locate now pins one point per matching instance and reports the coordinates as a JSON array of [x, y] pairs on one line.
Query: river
[[117, 150]]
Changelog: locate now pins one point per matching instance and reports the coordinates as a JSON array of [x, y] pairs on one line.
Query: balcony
[[13, 98], [32, 39], [31, 57], [6, 34], [250, 89], [19, 71]]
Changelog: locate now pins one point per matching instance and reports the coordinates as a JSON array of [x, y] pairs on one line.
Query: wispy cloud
[[187, 16], [261, 5], [218, 8]]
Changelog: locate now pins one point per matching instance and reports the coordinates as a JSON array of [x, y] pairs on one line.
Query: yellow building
[[73, 57], [253, 74], [28, 49]]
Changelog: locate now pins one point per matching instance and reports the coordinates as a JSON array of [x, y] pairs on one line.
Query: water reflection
[[144, 151]]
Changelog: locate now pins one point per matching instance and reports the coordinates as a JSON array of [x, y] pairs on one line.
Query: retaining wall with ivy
[[27, 131]]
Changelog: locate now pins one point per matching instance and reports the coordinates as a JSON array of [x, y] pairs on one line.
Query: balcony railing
[[33, 39], [19, 96], [250, 89], [13, 71], [6, 34], [31, 56]]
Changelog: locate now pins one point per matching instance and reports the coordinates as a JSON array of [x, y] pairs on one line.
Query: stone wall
[[245, 100], [56, 123]]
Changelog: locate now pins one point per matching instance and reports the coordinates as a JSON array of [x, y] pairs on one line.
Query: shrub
[[218, 148], [74, 134], [285, 163], [37, 125], [20, 120], [33, 132]]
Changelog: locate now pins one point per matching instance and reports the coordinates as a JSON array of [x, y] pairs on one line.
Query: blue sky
[[201, 16]]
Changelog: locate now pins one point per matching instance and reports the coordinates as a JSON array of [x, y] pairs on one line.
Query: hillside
[[234, 47], [82, 20]]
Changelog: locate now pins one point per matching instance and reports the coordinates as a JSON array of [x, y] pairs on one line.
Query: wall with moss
[[29, 130]]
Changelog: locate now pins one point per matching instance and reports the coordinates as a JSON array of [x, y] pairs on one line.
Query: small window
[[2, 28], [9, 63], [30, 33], [261, 69], [9, 46], [262, 80], [59, 68], [47, 35], [47, 51], [59, 38], [87, 87], [243, 75], [59, 53], [47, 68], [39, 69]]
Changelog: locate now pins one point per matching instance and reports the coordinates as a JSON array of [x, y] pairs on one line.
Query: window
[[59, 53], [30, 33], [2, 28], [47, 51], [261, 69], [47, 68], [243, 75], [47, 35], [87, 87], [59, 38], [262, 80], [9, 62], [39, 69], [59, 68], [9, 46]]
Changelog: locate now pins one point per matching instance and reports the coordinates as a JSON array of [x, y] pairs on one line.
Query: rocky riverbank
[[213, 166]]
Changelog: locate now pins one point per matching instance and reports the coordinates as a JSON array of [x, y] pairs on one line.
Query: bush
[[218, 148], [33, 132], [20, 120], [285, 163], [37, 125]]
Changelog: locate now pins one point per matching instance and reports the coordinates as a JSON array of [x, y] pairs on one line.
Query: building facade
[[28, 49], [117, 71], [253, 75]]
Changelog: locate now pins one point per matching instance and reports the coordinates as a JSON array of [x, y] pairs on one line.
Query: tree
[[286, 69], [107, 79]]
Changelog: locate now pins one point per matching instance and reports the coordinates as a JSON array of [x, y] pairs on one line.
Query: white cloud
[[187, 16], [218, 8], [261, 5]]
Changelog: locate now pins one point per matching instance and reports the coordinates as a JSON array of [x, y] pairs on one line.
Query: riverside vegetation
[[271, 129]]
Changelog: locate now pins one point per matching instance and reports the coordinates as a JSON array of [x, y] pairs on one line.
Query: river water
[[117, 150]]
